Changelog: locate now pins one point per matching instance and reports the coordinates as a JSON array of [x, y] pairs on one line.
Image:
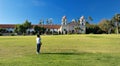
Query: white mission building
[[73, 27], [65, 27]]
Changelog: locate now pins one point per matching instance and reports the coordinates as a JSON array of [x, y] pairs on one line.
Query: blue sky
[[17, 11]]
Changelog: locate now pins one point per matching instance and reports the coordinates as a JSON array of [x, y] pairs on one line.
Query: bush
[[12, 34], [55, 33], [0, 34], [33, 33], [24, 34]]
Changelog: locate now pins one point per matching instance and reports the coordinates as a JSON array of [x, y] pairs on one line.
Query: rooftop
[[45, 26]]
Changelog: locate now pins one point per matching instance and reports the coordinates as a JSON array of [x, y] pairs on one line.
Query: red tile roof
[[45, 26], [7, 25], [49, 26], [52, 26]]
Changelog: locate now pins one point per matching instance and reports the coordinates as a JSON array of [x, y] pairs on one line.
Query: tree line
[[26, 26], [105, 26]]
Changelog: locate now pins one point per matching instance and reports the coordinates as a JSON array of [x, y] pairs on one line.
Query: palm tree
[[116, 21], [90, 18], [47, 21], [50, 21], [41, 21]]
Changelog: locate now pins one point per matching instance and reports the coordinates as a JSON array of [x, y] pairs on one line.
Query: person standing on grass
[[39, 43]]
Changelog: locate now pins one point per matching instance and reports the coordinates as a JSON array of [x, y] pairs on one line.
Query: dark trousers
[[38, 48]]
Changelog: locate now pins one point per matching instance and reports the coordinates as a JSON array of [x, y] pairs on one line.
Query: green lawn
[[61, 50]]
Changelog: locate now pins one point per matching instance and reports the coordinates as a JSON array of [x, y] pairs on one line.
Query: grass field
[[61, 50]]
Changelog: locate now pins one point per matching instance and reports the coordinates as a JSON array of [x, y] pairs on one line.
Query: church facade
[[73, 26]]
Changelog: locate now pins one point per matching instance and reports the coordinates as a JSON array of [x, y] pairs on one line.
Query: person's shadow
[[66, 53]]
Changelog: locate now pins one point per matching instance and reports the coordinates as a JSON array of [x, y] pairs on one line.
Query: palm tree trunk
[[117, 30]]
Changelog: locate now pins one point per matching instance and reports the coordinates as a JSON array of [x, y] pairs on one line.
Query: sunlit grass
[[61, 50]]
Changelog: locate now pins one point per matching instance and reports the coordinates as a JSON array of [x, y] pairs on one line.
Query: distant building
[[8, 27], [11, 27], [72, 27]]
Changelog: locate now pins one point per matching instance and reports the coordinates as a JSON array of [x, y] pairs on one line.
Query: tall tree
[[39, 30], [20, 29], [92, 28], [27, 24], [105, 25], [90, 19], [116, 20], [51, 21], [47, 21], [41, 22]]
